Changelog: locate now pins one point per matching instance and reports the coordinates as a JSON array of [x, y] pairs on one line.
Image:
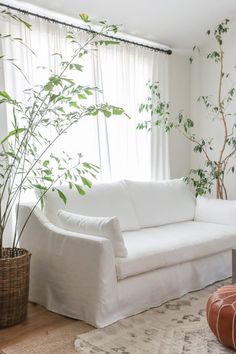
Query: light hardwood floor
[[40, 323]]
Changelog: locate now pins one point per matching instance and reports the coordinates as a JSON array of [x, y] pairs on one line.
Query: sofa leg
[[234, 266]]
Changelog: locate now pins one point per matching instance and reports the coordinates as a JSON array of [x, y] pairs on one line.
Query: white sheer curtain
[[3, 133], [121, 71], [160, 162]]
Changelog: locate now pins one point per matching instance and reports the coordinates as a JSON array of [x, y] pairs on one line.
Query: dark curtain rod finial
[[25, 12]]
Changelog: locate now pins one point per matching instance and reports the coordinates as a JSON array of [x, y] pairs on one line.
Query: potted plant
[[28, 160], [216, 161]]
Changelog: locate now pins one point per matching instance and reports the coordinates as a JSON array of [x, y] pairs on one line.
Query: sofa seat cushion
[[102, 200], [163, 246], [162, 202]]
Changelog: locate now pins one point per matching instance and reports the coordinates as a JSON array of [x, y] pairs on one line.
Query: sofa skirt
[[152, 289], [142, 292]]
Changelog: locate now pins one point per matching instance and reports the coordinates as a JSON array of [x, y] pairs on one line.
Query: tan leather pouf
[[221, 315]]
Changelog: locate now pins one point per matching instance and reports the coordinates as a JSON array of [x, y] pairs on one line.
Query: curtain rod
[[53, 20]]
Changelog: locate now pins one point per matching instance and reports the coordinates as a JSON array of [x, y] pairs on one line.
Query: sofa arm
[[216, 211], [71, 274]]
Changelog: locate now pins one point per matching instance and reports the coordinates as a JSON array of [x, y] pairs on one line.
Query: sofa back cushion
[[216, 211], [160, 203], [103, 199]]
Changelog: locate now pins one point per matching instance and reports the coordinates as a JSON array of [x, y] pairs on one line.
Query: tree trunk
[[221, 192], [1, 240]]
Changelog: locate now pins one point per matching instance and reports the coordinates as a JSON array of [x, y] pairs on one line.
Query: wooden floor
[[39, 322]]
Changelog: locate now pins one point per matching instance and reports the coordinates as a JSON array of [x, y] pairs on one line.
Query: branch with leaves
[[28, 159], [213, 172]]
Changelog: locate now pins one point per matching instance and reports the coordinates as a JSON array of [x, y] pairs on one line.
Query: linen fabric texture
[[78, 275], [162, 202], [75, 275], [108, 227], [103, 200], [167, 245], [216, 211]]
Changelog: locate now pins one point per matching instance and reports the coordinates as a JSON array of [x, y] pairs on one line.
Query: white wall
[[179, 97], [204, 81]]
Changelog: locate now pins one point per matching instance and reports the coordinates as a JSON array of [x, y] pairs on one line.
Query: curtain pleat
[[122, 72]]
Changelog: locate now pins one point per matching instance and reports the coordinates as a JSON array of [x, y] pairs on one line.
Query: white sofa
[[175, 244]]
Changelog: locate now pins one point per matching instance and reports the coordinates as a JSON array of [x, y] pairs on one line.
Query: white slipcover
[[104, 199], [160, 203], [216, 211], [70, 274], [108, 227], [78, 275], [168, 245], [150, 289]]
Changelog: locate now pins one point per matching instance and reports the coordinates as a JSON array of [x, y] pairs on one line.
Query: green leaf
[[5, 95], [88, 92], [53, 97], [103, 22], [79, 189], [117, 111], [74, 104], [12, 133], [48, 86], [46, 178], [56, 80], [106, 113], [86, 182], [40, 187], [27, 24], [78, 67], [47, 172], [82, 96], [70, 35], [61, 195], [46, 163], [84, 17], [114, 28], [13, 155], [91, 166], [57, 54], [106, 42]]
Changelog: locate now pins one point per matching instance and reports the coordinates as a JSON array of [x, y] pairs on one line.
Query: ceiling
[[177, 23]]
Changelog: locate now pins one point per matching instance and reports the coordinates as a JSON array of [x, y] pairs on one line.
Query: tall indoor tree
[[28, 159], [212, 174]]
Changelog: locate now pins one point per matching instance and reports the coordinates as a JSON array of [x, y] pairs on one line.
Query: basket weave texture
[[14, 286]]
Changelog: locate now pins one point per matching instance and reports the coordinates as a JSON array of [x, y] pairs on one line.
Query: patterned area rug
[[177, 327]]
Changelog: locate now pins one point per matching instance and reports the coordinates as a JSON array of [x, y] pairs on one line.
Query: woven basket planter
[[14, 286]]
